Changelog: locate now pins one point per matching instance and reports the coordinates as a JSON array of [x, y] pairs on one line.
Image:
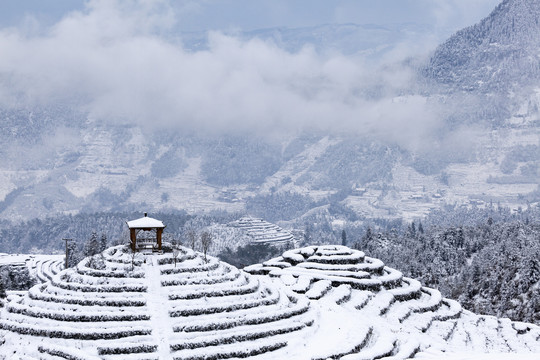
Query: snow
[[298, 166], [31, 260], [262, 231], [6, 185], [405, 318], [438, 355], [145, 223], [156, 300], [41, 267], [312, 309]]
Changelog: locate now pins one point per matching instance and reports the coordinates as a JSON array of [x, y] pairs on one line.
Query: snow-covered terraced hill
[[263, 232], [325, 302], [401, 317], [45, 269], [41, 267], [119, 306]]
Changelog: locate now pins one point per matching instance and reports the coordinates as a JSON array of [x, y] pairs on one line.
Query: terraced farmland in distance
[[311, 303], [263, 232]]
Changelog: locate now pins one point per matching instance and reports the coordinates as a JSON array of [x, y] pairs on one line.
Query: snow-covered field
[[310, 303], [437, 355], [41, 267], [263, 232]]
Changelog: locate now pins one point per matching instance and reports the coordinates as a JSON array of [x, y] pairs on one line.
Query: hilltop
[[311, 303]]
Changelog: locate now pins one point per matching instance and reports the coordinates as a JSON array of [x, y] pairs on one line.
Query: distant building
[[358, 190]]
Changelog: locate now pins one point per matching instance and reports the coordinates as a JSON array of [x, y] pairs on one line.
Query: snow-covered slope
[[317, 303], [41, 267], [58, 159], [498, 54], [401, 316], [151, 306], [263, 232]]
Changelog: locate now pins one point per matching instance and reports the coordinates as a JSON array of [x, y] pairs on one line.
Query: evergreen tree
[[74, 255], [2, 291], [343, 238], [92, 245], [367, 239], [16, 278], [249, 254], [103, 242], [307, 236]]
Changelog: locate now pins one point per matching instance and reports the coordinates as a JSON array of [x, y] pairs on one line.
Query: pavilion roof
[[145, 223]]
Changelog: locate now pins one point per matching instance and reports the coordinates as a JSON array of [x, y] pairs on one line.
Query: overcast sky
[[192, 15]]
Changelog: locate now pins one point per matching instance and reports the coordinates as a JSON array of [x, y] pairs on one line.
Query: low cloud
[[118, 61]]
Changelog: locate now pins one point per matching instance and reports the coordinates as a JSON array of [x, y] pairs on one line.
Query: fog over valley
[[121, 99]]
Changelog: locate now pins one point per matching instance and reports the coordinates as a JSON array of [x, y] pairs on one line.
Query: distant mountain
[[501, 54], [370, 41], [55, 159]]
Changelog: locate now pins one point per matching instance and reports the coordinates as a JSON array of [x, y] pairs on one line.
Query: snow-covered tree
[[103, 242], [191, 238], [2, 292], [74, 254], [92, 245], [206, 241], [16, 278], [175, 252]]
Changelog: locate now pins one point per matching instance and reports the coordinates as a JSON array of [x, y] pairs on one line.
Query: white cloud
[[114, 61]]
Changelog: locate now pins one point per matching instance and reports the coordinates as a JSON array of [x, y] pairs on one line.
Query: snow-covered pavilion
[[145, 224]]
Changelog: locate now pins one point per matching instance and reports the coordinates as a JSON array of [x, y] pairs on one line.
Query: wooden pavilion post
[[159, 231], [133, 237]]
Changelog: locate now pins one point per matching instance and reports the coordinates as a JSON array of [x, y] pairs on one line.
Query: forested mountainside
[[490, 71], [472, 136], [497, 55]]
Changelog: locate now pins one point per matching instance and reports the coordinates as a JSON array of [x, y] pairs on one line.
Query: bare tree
[[175, 252], [191, 237], [134, 255], [206, 242]]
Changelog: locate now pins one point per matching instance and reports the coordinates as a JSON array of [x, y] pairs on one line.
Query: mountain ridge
[[498, 54], [487, 149]]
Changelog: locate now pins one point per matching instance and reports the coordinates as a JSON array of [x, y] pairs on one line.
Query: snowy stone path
[[156, 302]]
